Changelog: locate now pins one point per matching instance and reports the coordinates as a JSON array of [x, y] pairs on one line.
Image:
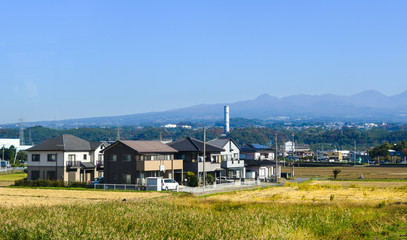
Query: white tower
[[226, 119]]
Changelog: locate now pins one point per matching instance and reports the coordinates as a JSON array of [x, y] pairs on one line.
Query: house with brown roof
[[191, 150], [66, 158], [131, 162]]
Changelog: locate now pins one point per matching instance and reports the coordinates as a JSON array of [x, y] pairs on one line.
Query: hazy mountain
[[364, 106]]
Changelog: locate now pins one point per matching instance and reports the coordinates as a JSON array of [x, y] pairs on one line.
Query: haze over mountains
[[364, 106]]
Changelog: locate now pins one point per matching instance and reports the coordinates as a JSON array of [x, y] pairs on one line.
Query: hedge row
[[49, 183]]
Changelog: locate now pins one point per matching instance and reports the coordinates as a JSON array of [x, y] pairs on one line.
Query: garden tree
[[10, 154], [192, 179], [381, 150], [336, 171], [22, 155], [209, 179]]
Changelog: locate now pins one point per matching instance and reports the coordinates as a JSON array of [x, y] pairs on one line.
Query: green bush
[[209, 179], [192, 179], [49, 183]]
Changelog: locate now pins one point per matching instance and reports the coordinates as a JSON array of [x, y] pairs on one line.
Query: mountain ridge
[[368, 105]]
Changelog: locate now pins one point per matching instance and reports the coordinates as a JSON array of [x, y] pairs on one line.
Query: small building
[[335, 156], [131, 162], [261, 169], [65, 158]]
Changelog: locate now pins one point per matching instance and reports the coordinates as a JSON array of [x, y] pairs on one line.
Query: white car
[[169, 184]]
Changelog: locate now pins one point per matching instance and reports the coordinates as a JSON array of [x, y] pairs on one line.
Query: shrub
[[209, 179], [336, 171], [49, 183], [192, 179]]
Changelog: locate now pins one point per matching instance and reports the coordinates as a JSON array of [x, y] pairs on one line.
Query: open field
[[8, 179], [351, 172], [313, 210]]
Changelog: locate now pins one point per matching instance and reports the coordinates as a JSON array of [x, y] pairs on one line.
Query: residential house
[[256, 152], [131, 162], [259, 162], [191, 150], [65, 158], [230, 157]]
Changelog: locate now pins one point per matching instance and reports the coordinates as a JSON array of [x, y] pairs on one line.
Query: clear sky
[[76, 59]]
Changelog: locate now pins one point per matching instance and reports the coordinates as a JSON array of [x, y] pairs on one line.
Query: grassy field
[[351, 172], [313, 210], [8, 179]]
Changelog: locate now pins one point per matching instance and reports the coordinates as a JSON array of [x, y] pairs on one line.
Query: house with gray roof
[[131, 162], [191, 150], [65, 158], [230, 157]]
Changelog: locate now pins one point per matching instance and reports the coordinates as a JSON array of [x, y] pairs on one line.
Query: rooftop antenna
[[118, 132], [21, 131]]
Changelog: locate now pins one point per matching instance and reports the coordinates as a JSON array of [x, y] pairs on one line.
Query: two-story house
[[66, 158], [131, 162], [191, 151], [230, 157], [259, 161]]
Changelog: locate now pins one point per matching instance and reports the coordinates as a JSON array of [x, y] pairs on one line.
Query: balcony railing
[[73, 164], [153, 165], [232, 164]]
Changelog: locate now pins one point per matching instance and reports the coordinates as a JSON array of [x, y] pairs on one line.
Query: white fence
[[208, 188], [216, 187], [132, 187]]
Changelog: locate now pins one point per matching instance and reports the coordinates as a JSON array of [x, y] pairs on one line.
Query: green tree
[[22, 156], [209, 179], [336, 171], [192, 179]]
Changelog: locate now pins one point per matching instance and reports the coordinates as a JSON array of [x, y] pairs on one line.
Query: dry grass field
[[324, 192], [353, 172], [18, 197], [311, 210], [317, 209]]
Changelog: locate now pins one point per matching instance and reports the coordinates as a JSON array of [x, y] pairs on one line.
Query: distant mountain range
[[364, 106]]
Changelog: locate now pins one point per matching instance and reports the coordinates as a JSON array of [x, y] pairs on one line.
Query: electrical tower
[[21, 134]]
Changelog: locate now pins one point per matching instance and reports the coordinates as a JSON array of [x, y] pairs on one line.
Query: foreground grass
[[313, 210], [192, 218]]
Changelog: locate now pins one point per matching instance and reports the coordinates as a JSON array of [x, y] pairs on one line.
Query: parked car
[[169, 184], [223, 180], [96, 181]]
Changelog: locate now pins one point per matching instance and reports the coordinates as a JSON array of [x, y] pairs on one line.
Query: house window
[[113, 157], [35, 175], [51, 175], [100, 157], [52, 157], [153, 157], [167, 157], [126, 157], [126, 178], [35, 158], [71, 157], [85, 156]]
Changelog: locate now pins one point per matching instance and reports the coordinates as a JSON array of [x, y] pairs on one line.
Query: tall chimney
[[226, 119]]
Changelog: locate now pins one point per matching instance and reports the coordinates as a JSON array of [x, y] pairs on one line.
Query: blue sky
[[76, 59]]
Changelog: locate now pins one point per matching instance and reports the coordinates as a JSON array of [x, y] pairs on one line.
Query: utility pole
[[204, 156], [276, 173], [21, 134], [354, 152], [293, 151]]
